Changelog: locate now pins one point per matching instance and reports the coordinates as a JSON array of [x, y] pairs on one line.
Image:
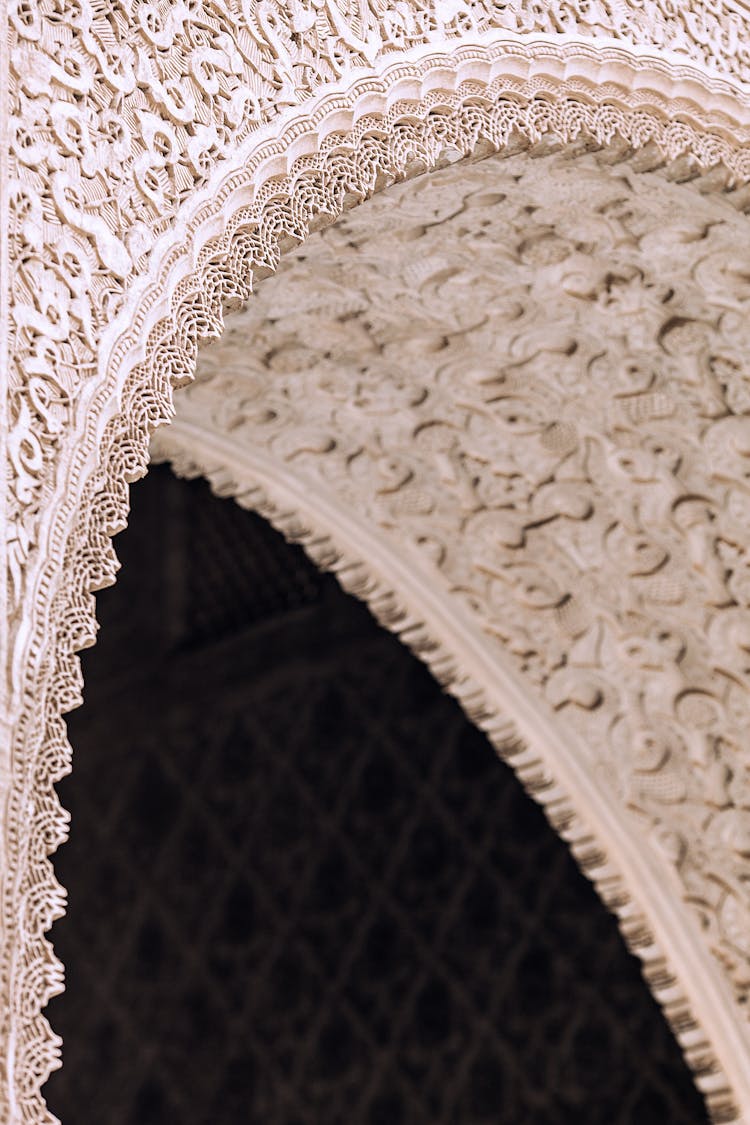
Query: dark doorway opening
[[302, 888]]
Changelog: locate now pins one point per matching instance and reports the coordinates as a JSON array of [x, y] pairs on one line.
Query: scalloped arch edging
[[337, 149]]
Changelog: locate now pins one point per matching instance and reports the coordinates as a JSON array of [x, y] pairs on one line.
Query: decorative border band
[[335, 150]]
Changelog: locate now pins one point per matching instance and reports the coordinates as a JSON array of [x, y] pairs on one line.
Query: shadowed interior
[[302, 887]]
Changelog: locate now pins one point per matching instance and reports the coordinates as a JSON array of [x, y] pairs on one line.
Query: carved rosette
[[162, 156]]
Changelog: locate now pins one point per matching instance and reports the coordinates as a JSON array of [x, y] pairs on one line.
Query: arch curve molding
[[141, 202]]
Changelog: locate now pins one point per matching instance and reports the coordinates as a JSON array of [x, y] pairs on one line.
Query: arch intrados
[[606, 96]]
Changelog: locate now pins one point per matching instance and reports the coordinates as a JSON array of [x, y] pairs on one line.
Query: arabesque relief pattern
[[123, 112], [161, 156], [122, 408], [548, 404]]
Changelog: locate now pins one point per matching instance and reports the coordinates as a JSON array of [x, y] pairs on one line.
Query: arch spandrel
[[140, 198]]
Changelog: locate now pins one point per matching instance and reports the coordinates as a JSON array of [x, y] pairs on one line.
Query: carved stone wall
[[122, 114], [156, 159]]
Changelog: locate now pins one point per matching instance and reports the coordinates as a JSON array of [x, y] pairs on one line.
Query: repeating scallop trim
[[380, 147]]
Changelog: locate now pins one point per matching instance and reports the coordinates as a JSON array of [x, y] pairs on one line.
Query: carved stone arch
[[293, 466], [108, 310]]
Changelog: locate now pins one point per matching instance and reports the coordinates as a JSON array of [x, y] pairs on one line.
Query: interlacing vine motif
[[123, 114], [346, 169], [124, 110]]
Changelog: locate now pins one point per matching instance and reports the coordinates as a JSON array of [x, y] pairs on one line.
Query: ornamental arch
[[462, 398], [160, 160], [393, 887]]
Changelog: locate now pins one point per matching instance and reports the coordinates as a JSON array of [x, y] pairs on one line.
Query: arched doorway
[[337, 107], [302, 886]]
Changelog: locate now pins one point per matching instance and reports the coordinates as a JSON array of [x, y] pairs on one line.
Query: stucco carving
[[159, 156], [545, 409], [122, 114]]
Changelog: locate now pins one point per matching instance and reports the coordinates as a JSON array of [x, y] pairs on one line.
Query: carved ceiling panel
[[530, 376]]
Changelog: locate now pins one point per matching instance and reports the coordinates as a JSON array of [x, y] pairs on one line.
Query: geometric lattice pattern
[[303, 889]]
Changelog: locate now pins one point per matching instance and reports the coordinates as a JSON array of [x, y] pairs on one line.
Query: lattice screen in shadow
[[303, 890]]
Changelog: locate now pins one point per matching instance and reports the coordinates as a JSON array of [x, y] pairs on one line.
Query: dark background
[[303, 890]]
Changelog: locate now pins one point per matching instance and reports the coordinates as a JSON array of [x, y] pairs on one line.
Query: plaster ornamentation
[[544, 411], [159, 157], [122, 115]]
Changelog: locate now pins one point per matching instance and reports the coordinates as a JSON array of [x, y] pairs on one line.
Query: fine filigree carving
[[546, 410], [122, 115], [161, 155]]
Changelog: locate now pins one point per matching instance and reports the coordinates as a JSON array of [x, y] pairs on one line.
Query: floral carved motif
[[123, 111], [163, 155], [547, 410]]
